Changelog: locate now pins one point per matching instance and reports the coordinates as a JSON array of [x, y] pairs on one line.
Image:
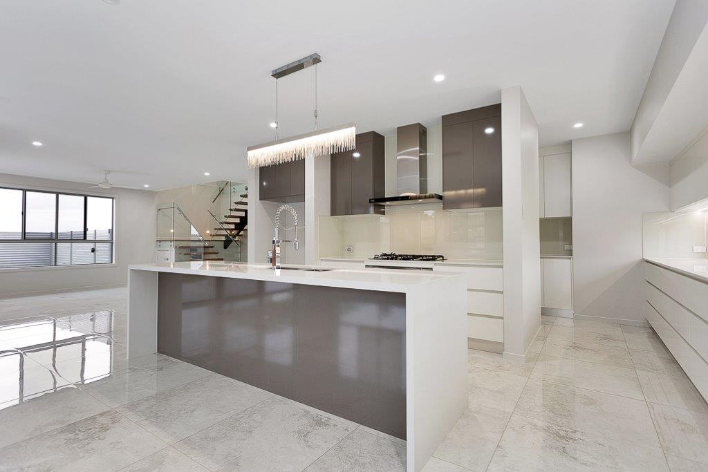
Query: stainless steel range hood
[[411, 167]]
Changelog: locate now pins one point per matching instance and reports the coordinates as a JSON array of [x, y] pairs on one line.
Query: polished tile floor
[[592, 396]]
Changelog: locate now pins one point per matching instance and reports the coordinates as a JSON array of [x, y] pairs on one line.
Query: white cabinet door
[[541, 191], [558, 283], [557, 186]]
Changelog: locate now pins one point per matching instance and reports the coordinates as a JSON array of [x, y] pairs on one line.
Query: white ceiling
[[160, 91]]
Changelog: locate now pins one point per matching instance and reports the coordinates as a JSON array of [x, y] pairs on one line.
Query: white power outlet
[[568, 247], [699, 248]]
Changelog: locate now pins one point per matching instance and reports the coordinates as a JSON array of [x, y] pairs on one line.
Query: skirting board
[[484, 345], [522, 357], [623, 321], [560, 312]]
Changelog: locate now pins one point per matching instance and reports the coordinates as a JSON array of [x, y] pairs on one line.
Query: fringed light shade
[[318, 143]]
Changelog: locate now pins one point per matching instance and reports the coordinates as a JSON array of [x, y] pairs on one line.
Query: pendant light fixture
[[316, 143]]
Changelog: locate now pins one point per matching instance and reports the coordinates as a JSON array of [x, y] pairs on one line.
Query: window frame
[[56, 240]]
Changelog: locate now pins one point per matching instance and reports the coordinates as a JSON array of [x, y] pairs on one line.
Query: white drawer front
[[688, 292], [480, 278], [692, 328], [695, 366], [485, 303], [489, 329]]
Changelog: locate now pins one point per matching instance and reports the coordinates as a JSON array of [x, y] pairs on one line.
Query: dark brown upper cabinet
[[283, 182], [358, 175], [472, 159]]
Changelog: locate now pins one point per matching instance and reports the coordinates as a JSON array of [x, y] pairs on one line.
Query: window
[[54, 229], [10, 214]]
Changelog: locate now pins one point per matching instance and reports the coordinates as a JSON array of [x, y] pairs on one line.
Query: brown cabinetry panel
[[487, 177], [341, 184], [458, 151], [267, 182], [472, 159], [283, 182], [297, 178], [358, 175]]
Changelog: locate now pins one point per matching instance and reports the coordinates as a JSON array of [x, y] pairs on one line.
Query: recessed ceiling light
[[146, 186], [578, 125], [37, 143], [207, 174], [273, 124], [489, 130], [356, 154], [439, 78]]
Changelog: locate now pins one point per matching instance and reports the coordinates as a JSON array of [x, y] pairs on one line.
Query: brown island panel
[[339, 350]]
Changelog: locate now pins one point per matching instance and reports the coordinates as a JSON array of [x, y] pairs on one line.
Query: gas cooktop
[[392, 256]]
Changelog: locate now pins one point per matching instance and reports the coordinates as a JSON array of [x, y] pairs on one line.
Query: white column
[[521, 245], [317, 203]]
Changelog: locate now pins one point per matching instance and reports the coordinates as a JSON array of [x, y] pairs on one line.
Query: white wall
[[317, 203], [609, 198], [685, 26], [521, 244], [689, 175], [135, 233]]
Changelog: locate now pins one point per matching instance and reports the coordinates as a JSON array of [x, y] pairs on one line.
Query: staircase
[[177, 235], [200, 252], [235, 224]]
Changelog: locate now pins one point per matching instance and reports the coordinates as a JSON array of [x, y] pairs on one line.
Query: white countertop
[[453, 262], [470, 262], [343, 259], [695, 268], [362, 279]]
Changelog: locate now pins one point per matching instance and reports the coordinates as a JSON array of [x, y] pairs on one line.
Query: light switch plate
[[699, 248]]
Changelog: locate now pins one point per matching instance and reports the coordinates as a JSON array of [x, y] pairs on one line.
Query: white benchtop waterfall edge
[[436, 333]]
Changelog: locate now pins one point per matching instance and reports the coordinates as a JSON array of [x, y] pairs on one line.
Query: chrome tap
[[274, 253]]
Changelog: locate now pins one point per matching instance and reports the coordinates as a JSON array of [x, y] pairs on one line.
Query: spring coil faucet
[[274, 253]]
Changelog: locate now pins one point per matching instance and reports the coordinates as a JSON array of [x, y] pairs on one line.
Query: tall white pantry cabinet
[[556, 201]]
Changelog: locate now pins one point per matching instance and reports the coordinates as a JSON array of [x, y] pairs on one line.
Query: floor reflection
[[41, 356]]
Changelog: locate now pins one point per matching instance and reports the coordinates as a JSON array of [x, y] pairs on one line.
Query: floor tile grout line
[[506, 426], [335, 445], [646, 403], [451, 463], [211, 426], [157, 452]]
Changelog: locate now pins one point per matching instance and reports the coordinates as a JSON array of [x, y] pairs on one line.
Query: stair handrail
[[226, 230], [174, 207], [221, 190]]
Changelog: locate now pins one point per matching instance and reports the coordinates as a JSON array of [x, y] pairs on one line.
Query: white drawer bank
[[677, 309], [485, 302]]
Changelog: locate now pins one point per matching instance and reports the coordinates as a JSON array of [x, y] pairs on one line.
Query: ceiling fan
[[105, 183]]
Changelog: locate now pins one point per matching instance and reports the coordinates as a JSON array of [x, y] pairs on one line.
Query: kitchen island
[[385, 349]]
